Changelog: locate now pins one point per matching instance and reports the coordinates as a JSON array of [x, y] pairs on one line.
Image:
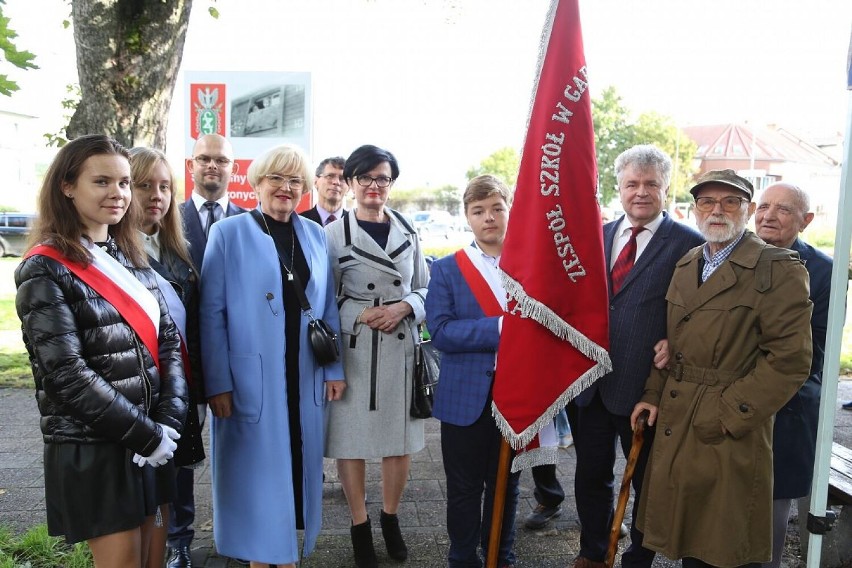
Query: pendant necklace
[[292, 248]]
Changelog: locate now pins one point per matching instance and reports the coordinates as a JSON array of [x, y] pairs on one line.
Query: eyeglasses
[[221, 161], [367, 181], [730, 203], [334, 177], [276, 181]]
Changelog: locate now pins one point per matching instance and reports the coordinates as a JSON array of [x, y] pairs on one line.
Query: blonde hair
[[285, 158], [142, 164]]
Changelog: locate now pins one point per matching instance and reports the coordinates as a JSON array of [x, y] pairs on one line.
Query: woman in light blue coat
[[264, 386]]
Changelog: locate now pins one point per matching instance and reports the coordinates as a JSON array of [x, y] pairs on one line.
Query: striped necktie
[[625, 260]]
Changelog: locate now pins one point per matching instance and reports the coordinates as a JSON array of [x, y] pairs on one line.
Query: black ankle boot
[[362, 545], [393, 537]]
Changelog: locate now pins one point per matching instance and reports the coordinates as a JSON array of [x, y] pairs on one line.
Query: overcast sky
[[443, 83]]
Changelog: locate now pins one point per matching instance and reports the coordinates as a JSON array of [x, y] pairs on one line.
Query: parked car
[[14, 230], [432, 224]]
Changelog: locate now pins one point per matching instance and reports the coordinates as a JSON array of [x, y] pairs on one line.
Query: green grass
[[846, 349], [14, 364], [821, 237], [15, 371], [8, 315], [37, 549]]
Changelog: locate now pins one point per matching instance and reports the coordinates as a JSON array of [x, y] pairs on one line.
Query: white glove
[[202, 414], [163, 452], [170, 432]]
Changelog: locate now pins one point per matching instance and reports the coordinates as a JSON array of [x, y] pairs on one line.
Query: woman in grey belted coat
[[381, 276]]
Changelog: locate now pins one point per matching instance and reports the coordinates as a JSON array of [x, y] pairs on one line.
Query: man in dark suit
[[641, 250], [331, 189], [211, 165], [783, 212]]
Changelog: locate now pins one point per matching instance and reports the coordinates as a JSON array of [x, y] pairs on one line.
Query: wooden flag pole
[[499, 504]]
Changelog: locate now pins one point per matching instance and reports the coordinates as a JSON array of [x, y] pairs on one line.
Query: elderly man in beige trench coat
[[740, 338]]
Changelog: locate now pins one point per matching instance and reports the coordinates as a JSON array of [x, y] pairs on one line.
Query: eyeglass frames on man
[[334, 177], [367, 181], [730, 203], [277, 181], [220, 161]]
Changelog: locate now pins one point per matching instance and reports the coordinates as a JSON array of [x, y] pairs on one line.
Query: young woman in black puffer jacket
[[104, 354]]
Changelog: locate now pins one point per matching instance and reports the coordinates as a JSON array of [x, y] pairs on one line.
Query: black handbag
[[323, 341], [427, 366], [321, 336]]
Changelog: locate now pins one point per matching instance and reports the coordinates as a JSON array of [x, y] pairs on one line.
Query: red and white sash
[[485, 284], [483, 280], [106, 276]]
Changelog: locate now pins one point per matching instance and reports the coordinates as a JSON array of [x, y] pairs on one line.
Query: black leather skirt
[[93, 490]]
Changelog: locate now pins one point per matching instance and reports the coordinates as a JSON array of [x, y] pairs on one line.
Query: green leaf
[[7, 86], [213, 12], [20, 59]]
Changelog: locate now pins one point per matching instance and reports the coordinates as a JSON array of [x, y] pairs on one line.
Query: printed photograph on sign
[[275, 111]]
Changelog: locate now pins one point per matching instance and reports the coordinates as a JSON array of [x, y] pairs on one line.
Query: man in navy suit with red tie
[[641, 250], [211, 165]]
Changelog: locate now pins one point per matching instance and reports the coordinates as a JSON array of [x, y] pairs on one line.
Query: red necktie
[[625, 260], [331, 218]]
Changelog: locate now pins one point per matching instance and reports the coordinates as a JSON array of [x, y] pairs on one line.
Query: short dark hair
[[336, 161], [367, 157], [59, 223]]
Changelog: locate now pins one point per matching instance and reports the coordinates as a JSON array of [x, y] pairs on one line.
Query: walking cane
[[624, 492], [499, 504]]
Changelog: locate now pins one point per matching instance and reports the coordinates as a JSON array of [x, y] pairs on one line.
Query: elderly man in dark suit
[[641, 249], [211, 165], [331, 189], [783, 212]]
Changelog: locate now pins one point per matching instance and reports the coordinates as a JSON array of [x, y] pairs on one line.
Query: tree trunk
[[128, 56]]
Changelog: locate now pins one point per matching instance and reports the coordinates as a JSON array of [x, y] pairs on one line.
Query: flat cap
[[725, 177]]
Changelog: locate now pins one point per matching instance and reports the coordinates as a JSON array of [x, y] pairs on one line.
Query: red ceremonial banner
[[555, 333]]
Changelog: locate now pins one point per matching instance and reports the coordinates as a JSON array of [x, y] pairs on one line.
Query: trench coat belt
[[376, 301], [704, 375]]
